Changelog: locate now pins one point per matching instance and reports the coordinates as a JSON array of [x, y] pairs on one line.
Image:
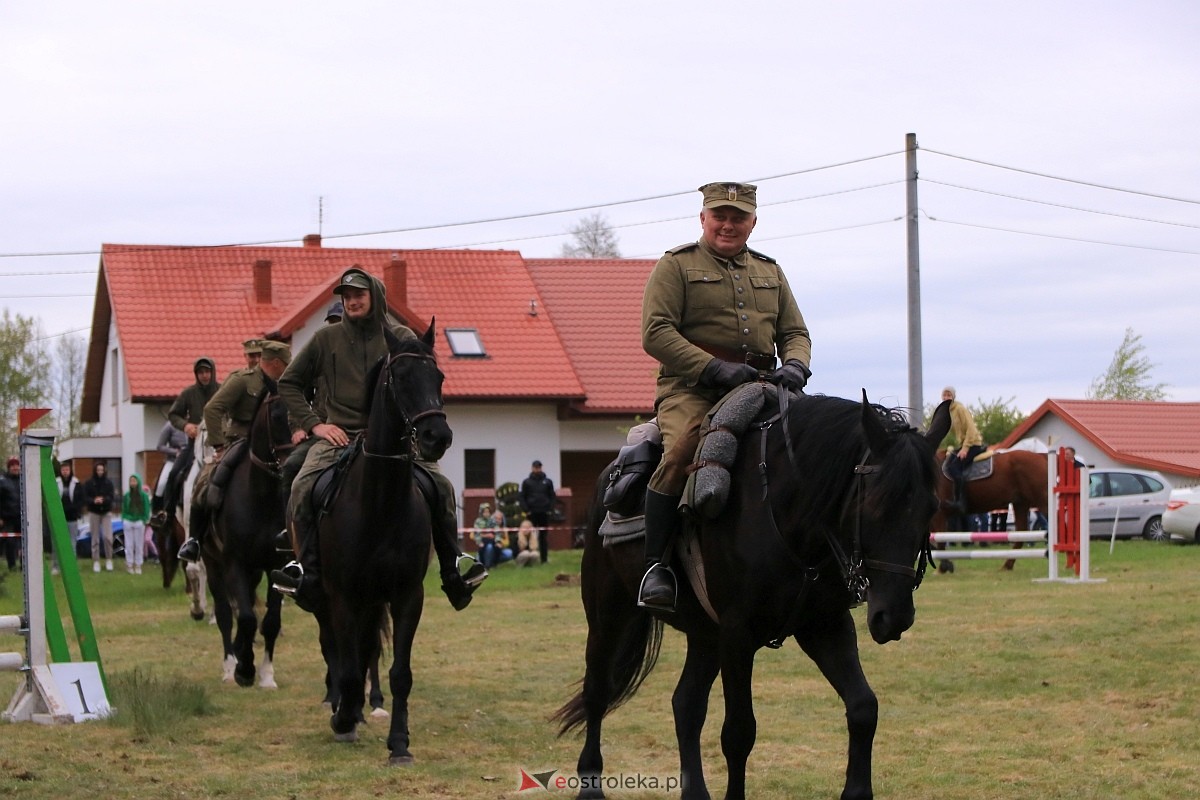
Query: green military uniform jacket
[[336, 362], [228, 414], [696, 297], [189, 405]]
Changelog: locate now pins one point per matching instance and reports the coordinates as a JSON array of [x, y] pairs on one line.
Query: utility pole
[[916, 401]]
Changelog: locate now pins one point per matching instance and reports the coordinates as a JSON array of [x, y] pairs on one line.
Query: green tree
[[995, 419], [1128, 375], [24, 373], [593, 238]]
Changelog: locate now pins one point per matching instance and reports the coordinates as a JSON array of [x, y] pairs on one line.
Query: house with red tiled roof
[[1136, 433], [542, 357]]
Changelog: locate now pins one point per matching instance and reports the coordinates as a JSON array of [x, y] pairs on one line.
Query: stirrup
[[475, 575], [674, 589], [287, 580], [189, 551]]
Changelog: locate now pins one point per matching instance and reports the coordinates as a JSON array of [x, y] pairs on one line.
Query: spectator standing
[[10, 511], [71, 492], [135, 512], [99, 496], [537, 501]]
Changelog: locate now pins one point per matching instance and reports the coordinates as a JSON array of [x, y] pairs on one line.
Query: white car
[[1181, 520], [1130, 500]]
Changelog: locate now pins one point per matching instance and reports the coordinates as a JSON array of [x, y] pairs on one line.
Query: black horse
[[375, 539], [240, 546], [839, 513]]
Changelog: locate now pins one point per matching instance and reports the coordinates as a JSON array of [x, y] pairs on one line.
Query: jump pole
[[63, 691], [1066, 531]]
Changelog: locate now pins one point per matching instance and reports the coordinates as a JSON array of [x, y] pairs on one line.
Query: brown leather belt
[[760, 361]]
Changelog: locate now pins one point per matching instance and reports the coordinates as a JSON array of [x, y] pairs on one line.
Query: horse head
[[410, 384], [270, 433], [895, 501]]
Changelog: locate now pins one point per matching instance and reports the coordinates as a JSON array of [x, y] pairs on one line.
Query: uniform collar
[[738, 259]]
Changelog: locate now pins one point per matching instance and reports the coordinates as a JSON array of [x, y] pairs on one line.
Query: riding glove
[[727, 375], [792, 376]]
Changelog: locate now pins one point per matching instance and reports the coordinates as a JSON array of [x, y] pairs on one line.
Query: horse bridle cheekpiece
[[409, 422], [855, 567]]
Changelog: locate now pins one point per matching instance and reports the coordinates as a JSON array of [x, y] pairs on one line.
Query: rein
[[854, 567], [408, 423]]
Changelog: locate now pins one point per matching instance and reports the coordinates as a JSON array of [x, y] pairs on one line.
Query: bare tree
[[66, 386], [1128, 376], [593, 238]]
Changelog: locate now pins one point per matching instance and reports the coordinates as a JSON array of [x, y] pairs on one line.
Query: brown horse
[[1018, 477]]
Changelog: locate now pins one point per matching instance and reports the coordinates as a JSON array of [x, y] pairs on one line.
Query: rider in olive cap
[[336, 361]]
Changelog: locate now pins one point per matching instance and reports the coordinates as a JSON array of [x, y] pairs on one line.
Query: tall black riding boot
[[662, 523], [301, 578]]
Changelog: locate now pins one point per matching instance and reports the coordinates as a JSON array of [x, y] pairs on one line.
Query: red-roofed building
[[552, 367], [1135, 433]]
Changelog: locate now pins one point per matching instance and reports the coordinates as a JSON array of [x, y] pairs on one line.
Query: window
[[465, 342], [479, 469]]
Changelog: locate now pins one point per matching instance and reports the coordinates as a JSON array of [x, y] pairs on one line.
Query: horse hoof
[[380, 713], [352, 736], [197, 615], [400, 761]]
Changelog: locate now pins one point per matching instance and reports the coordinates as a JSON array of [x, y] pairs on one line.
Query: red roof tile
[[174, 304], [1155, 435], [596, 306]]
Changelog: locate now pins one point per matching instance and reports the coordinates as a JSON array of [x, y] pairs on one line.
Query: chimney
[[262, 281], [312, 240], [395, 281]]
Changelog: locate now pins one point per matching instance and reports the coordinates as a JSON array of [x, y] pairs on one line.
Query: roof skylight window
[[465, 342]]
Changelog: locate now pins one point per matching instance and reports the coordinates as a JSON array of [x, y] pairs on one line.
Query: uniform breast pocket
[[706, 289], [766, 294]]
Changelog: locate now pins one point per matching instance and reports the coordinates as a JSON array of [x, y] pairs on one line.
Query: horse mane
[[828, 442]]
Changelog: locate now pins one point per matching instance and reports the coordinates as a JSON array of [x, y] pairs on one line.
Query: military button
[[741, 289], [746, 331], [737, 277], [744, 318], [745, 346], [741, 304]]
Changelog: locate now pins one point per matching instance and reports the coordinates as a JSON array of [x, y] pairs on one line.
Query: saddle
[[977, 470], [213, 494], [330, 481]]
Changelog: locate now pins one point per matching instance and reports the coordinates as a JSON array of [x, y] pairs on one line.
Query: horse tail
[[631, 663]]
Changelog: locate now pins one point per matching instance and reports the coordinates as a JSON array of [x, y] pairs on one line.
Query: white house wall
[[1057, 433]]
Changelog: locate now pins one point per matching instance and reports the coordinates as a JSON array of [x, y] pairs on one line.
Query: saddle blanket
[[979, 469]]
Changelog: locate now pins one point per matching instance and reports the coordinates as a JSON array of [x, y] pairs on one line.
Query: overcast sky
[[221, 123]]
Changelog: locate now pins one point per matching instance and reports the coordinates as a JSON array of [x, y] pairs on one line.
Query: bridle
[[408, 422], [854, 568], [275, 465]]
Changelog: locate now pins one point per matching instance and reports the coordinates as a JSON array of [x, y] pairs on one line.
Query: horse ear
[[939, 425], [428, 336], [878, 438]]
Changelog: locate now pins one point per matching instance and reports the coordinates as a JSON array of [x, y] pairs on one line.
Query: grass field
[[1004, 688]]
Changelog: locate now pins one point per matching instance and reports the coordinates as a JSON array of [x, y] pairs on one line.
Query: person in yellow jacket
[[962, 428], [715, 315]]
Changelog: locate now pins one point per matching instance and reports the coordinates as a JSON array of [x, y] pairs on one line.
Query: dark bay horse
[[240, 548], [375, 539], [1018, 477], [849, 491]]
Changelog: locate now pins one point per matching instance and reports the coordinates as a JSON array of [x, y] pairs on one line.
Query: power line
[[1059, 205], [1065, 180], [461, 224], [1055, 236]]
